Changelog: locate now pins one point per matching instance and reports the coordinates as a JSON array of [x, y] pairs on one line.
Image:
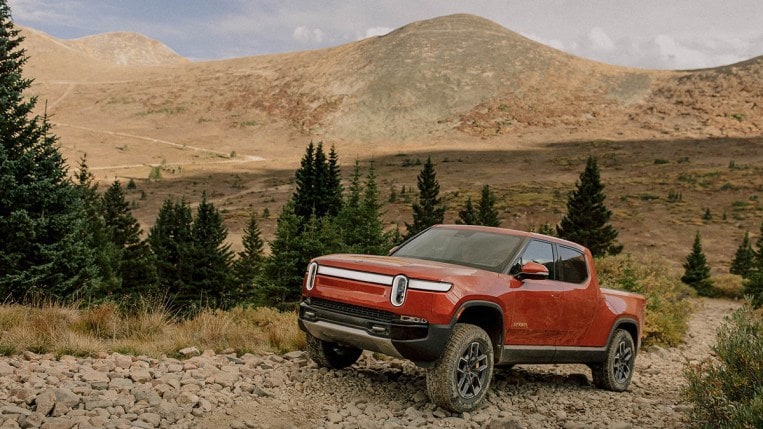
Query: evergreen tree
[[743, 263], [136, 269], [319, 188], [487, 214], [376, 242], [759, 252], [305, 178], [171, 242], [467, 215], [106, 254], [587, 219], [249, 263], [359, 223], [430, 209], [697, 271], [45, 247], [334, 188], [210, 261], [285, 267], [349, 227]]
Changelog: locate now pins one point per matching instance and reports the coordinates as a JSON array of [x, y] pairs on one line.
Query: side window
[[540, 252], [572, 265]]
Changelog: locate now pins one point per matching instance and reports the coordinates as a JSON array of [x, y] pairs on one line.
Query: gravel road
[[209, 390]]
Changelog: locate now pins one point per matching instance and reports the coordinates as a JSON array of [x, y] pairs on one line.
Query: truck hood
[[392, 266]]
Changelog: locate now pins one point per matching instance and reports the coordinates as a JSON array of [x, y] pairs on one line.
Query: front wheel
[[460, 378], [616, 371], [331, 355]]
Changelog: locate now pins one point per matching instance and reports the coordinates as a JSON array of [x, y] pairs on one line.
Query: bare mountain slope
[[441, 77], [127, 49]]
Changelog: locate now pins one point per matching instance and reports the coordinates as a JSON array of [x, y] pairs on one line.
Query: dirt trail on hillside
[[391, 393]]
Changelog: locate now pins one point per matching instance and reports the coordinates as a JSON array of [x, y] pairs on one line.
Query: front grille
[[353, 310]]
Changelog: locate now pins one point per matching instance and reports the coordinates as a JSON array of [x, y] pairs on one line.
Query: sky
[[656, 34]]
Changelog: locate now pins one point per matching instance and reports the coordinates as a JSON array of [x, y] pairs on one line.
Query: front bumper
[[374, 330]]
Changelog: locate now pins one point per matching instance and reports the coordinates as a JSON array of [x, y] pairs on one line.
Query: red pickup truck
[[459, 299]]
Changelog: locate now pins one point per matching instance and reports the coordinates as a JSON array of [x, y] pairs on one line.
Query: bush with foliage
[[753, 288], [727, 392], [667, 304]]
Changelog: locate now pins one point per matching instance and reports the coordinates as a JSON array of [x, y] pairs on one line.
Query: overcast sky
[[665, 34]]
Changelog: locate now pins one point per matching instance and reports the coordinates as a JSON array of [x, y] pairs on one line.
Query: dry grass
[[151, 330], [667, 305]]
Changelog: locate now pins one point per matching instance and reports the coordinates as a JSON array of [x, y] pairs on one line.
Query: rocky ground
[[209, 390]]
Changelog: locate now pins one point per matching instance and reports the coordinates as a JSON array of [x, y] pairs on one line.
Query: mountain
[[490, 107], [448, 76]]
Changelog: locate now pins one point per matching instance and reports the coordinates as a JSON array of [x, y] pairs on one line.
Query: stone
[[140, 375], [152, 418], [45, 401], [14, 409], [189, 352]]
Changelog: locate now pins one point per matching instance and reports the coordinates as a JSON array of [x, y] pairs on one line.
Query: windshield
[[485, 250]]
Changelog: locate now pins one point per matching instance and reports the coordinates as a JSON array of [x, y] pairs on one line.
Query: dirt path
[[392, 393]]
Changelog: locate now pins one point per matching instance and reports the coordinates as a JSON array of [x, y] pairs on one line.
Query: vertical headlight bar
[[399, 289], [312, 270]]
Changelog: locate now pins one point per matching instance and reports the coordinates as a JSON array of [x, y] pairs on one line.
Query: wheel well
[[630, 328], [489, 319]]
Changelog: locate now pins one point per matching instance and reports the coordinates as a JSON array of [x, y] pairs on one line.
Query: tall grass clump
[[727, 392], [143, 328], [667, 304]]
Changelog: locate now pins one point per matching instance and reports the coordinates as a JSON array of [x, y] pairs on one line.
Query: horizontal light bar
[[382, 279], [360, 276], [430, 286]]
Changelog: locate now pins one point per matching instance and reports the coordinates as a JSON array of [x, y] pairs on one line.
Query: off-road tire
[[460, 378], [331, 355], [616, 371]]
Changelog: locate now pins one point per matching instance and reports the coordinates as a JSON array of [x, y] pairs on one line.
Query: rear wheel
[[616, 371], [331, 355], [460, 379]]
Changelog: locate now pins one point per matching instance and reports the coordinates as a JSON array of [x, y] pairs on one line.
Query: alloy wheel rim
[[622, 364], [471, 373]]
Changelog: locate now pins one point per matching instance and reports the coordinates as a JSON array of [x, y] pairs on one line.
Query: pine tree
[[430, 209], [106, 254], [348, 226], [334, 188], [319, 188], [210, 260], [45, 247], [467, 215], [285, 267], [172, 244], [743, 263], [376, 242], [759, 252], [487, 214], [135, 266], [248, 266], [587, 219], [305, 178], [697, 271]]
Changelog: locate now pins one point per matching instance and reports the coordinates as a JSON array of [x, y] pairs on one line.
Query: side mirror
[[533, 270]]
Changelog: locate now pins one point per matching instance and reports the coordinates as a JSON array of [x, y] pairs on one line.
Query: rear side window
[[572, 265]]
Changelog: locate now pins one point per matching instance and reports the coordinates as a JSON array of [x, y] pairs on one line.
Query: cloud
[[377, 31], [599, 40], [307, 35]]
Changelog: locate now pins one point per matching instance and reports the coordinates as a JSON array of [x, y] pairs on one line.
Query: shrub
[[667, 304], [728, 286], [753, 287], [728, 392]]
